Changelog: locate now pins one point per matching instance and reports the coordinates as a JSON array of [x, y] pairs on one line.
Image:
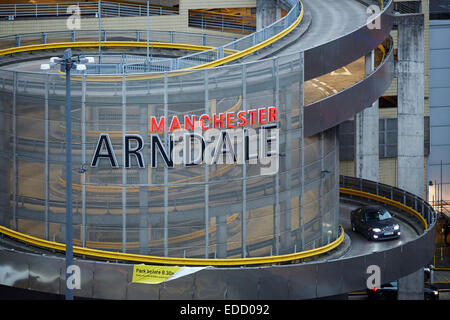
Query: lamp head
[[45, 66], [81, 67]]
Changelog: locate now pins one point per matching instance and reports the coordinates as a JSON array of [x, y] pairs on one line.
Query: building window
[[346, 140], [405, 7], [439, 10], [388, 138], [388, 102]]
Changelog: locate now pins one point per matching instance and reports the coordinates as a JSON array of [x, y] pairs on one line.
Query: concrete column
[[411, 287], [410, 161], [366, 136], [410, 73], [143, 180], [266, 13]]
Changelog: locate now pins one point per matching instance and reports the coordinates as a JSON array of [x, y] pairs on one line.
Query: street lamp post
[[68, 63]]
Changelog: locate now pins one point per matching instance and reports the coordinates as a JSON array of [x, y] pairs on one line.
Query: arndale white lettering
[[241, 145]]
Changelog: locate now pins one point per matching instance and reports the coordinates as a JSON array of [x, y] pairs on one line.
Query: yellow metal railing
[[94, 44], [386, 201], [233, 54], [102, 254]]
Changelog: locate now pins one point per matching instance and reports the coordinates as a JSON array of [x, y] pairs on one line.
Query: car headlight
[[436, 292], [396, 227], [376, 230]]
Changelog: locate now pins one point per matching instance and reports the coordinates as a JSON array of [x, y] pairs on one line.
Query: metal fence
[[25, 39], [181, 203], [106, 9], [125, 63], [222, 22], [244, 42], [393, 193], [187, 61]]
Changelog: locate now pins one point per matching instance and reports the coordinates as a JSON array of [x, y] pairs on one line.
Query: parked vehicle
[[389, 291]]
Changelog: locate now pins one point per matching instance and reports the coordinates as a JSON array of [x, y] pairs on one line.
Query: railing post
[[423, 211]]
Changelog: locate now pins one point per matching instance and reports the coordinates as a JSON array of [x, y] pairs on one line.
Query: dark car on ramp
[[375, 223], [389, 291]]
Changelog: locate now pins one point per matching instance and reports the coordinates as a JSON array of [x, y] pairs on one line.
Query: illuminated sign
[[233, 137]]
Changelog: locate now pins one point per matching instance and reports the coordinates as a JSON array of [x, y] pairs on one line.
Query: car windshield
[[377, 215]]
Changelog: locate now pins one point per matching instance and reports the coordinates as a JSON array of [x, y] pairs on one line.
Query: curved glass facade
[[212, 210]]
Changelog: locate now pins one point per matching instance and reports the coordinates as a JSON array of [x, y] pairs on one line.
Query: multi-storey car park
[[279, 235]]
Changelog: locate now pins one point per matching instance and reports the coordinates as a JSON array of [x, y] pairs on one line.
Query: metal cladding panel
[[428, 243], [329, 112], [142, 291], [376, 259], [273, 284], [87, 279], [241, 285], [303, 281], [14, 269], [329, 278], [410, 258], [340, 52], [203, 280], [178, 289], [46, 274], [393, 258], [354, 274], [111, 280]]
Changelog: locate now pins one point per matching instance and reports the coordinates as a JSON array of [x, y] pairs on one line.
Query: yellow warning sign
[[153, 274]]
